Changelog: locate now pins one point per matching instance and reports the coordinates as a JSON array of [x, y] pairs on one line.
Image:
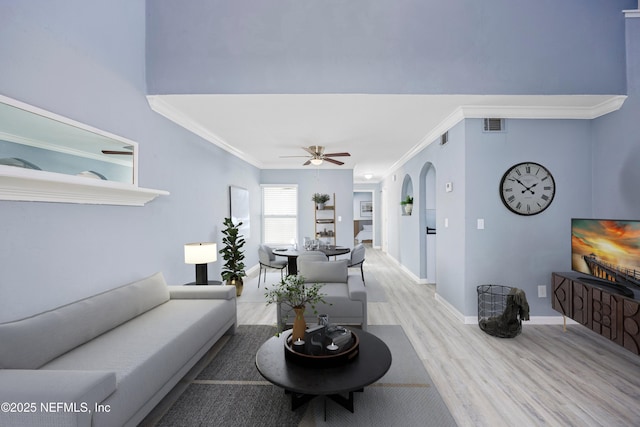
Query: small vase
[[299, 325], [320, 206]]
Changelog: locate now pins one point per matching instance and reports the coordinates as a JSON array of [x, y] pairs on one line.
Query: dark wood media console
[[598, 307]]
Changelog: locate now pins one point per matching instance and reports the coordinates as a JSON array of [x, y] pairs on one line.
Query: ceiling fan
[[318, 156]]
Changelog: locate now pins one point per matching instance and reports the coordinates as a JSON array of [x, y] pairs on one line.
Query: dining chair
[[267, 260], [357, 259]]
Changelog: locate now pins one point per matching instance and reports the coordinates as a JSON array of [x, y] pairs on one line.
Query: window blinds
[[279, 214]]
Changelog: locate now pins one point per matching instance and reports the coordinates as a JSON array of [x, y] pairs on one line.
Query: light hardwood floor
[[542, 377]]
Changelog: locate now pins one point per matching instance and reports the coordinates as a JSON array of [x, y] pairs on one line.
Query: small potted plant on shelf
[[320, 199], [407, 204], [293, 291], [233, 269]]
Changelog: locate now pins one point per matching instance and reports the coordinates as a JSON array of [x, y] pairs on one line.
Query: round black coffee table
[[304, 383]]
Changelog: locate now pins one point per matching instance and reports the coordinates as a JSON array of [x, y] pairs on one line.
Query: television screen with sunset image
[[607, 249]]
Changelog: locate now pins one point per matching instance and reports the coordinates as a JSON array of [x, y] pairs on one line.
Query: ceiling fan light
[[316, 162]]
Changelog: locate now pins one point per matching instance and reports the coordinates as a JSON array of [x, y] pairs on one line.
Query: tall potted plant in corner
[[233, 269], [407, 204]]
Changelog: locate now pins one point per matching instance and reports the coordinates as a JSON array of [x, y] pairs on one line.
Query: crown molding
[[631, 13], [544, 111], [612, 104], [165, 109]]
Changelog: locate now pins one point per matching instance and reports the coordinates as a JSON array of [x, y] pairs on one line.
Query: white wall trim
[[612, 104], [165, 109], [632, 13], [20, 184], [535, 320], [544, 112], [452, 309]]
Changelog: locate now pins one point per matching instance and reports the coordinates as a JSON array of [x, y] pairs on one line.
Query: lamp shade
[[316, 162], [200, 253]]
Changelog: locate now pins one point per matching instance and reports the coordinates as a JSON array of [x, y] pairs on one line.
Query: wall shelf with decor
[[407, 206], [45, 157], [407, 196], [325, 221], [39, 186]]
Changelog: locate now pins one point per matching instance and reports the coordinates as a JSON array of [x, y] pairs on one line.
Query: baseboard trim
[[534, 320]]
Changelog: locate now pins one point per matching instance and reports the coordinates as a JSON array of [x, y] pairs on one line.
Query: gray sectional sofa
[[346, 300], [109, 359]]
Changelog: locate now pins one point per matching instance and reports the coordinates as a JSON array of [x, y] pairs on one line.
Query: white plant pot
[[408, 208]]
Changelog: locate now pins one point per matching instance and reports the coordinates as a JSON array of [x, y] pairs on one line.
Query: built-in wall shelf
[[325, 221], [46, 157], [21, 184]]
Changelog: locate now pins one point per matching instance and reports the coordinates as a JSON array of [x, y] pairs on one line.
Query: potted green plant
[[407, 204], [320, 199], [233, 269], [293, 291]]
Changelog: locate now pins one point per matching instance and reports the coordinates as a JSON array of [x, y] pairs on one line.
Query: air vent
[[493, 125], [444, 138]]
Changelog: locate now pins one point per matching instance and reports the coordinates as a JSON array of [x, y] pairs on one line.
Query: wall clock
[[527, 188]]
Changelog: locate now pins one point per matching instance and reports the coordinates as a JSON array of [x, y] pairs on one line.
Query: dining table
[[293, 254]]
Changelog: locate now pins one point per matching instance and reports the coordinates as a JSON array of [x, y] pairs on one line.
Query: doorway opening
[[363, 217], [427, 210]]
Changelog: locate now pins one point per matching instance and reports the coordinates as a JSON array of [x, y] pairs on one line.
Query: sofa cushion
[[147, 351], [324, 271], [49, 389], [30, 343]]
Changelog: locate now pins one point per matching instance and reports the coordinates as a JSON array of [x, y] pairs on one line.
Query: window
[[279, 214]]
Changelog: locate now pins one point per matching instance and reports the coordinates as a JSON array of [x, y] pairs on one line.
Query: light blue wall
[[405, 232], [66, 57], [359, 196], [515, 250], [616, 155], [511, 250], [310, 181], [595, 166], [364, 46], [86, 61]]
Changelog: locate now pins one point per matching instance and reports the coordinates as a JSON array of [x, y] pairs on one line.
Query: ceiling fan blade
[[308, 162], [336, 162], [337, 155], [125, 153]]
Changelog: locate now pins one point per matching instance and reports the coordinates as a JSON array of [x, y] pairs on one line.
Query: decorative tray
[[326, 360]]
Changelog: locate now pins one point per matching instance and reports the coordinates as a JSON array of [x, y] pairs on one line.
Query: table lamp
[[200, 254]]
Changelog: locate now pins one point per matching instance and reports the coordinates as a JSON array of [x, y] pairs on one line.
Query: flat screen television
[[608, 252]]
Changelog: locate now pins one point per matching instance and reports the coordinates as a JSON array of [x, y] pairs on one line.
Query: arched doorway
[[428, 223]]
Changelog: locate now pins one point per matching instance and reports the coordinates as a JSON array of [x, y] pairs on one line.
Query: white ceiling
[[380, 131]]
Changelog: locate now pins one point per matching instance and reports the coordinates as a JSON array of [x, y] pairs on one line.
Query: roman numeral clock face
[[527, 188]]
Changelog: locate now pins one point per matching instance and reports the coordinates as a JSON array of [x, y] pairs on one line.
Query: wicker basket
[[495, 317]]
